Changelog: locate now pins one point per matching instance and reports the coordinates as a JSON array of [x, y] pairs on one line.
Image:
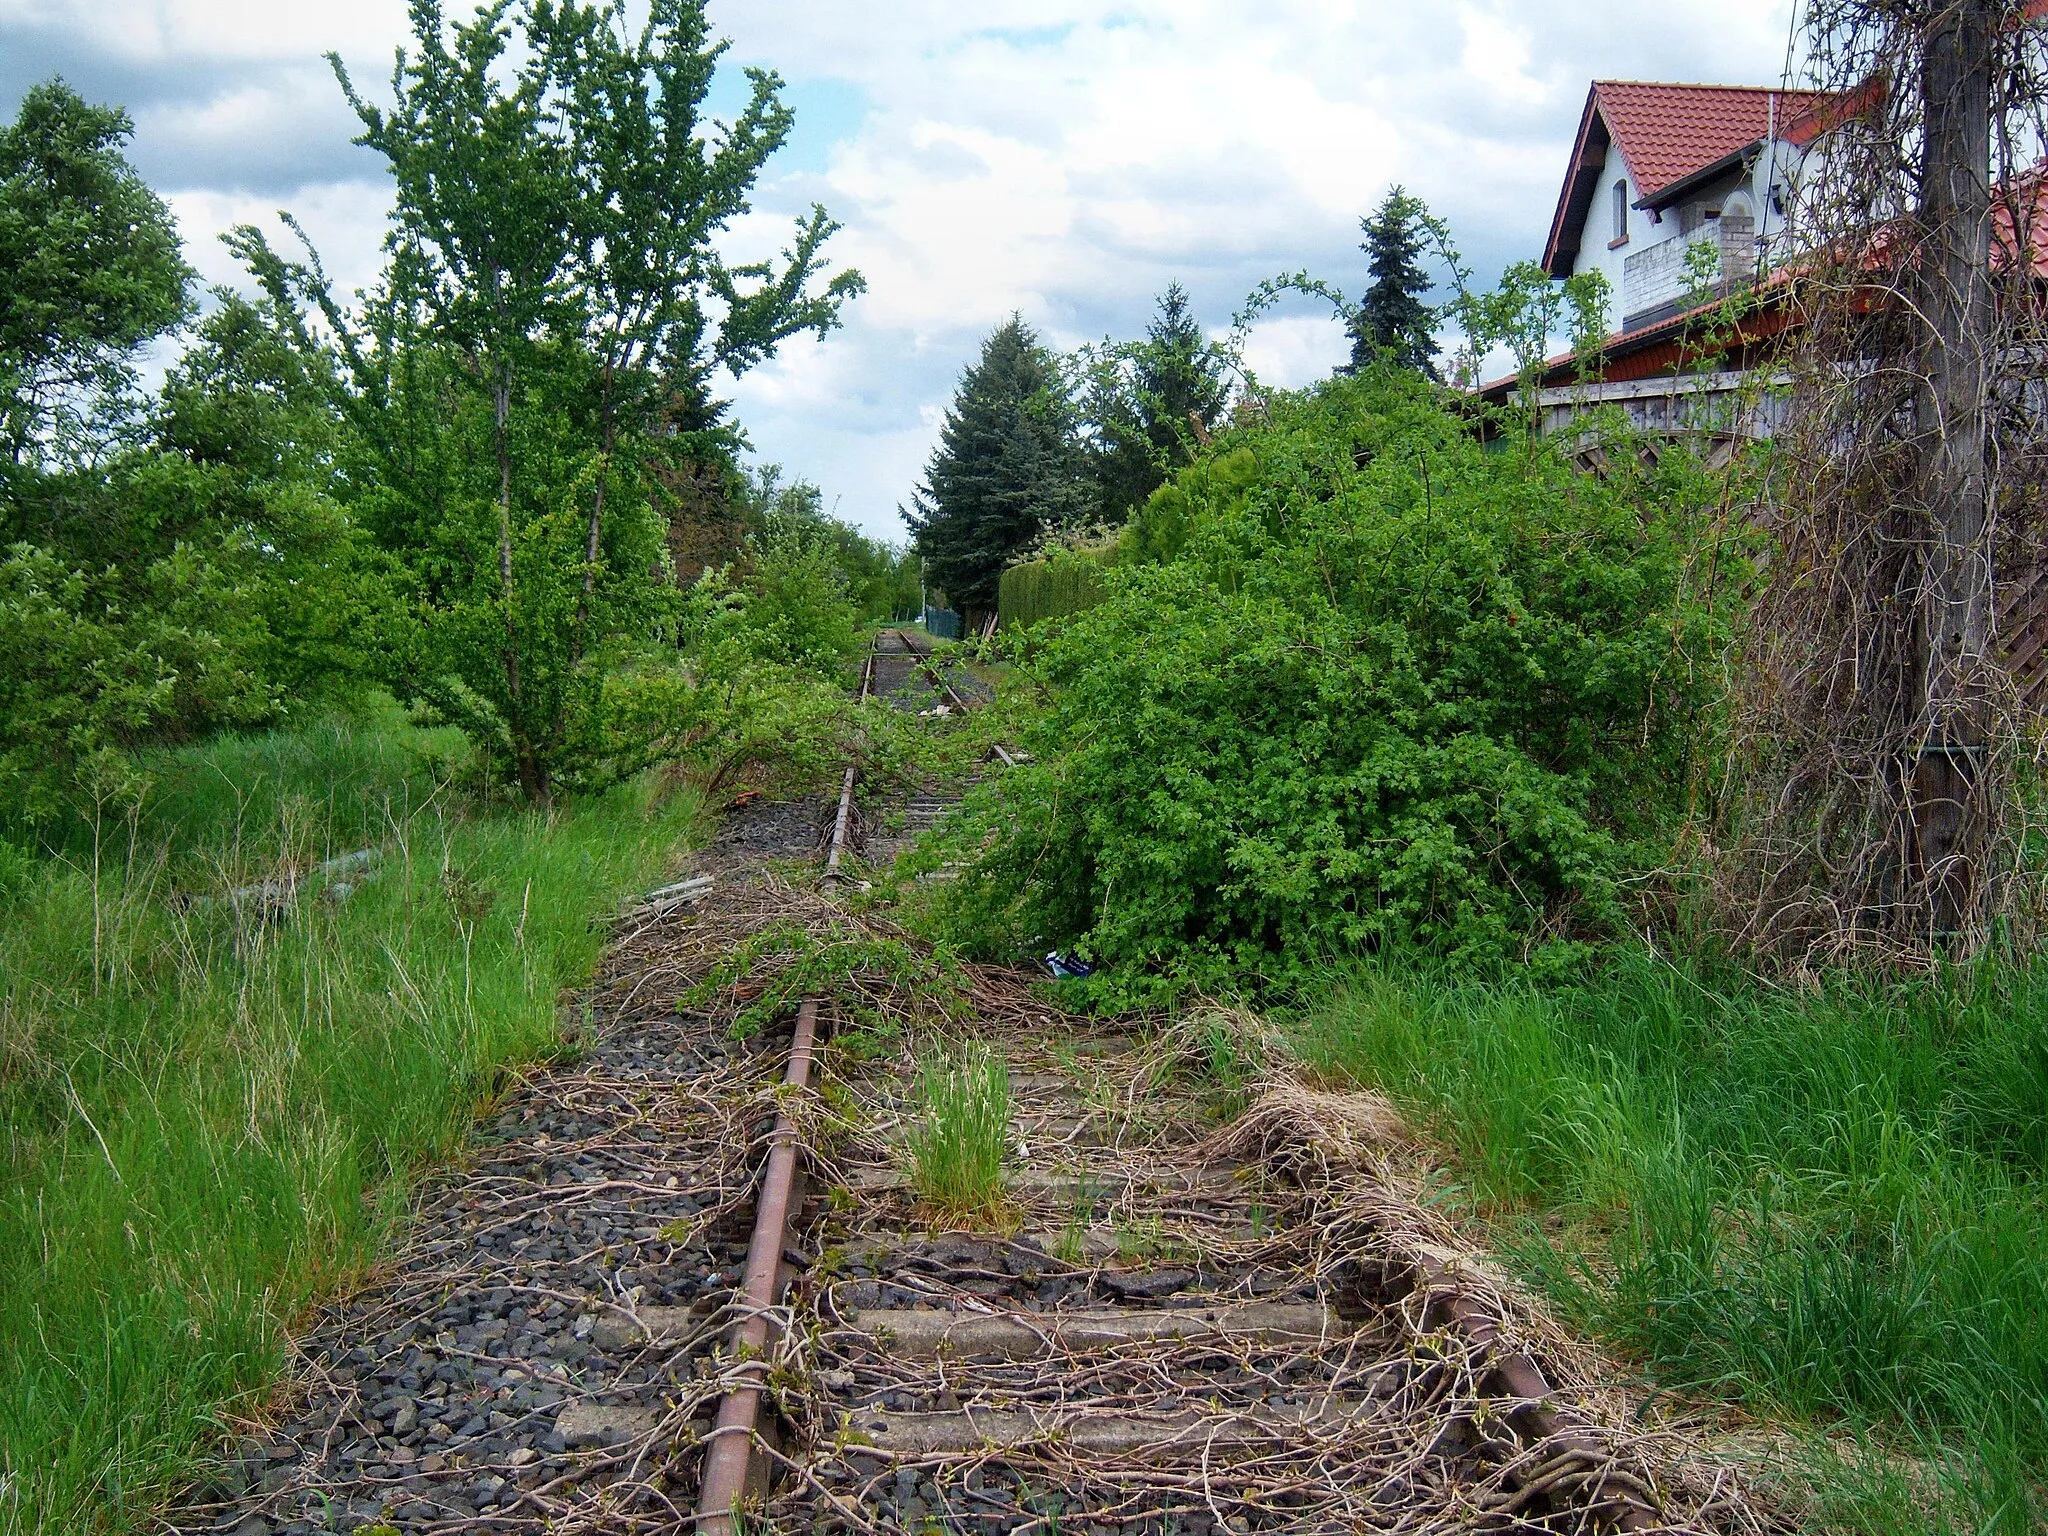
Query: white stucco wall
[[1783, 161], [1594, 255]]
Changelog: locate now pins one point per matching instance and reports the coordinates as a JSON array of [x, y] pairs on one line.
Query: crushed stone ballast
[[685, 1283]]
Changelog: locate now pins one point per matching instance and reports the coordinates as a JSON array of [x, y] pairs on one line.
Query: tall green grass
[[960, 1134], [1832, 1205], [211, 1105]]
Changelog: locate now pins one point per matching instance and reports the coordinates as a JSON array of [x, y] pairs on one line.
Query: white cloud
[[1060, 158], [224, 30]]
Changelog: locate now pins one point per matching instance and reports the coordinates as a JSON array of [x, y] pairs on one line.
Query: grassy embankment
[[197, 1100], [1832, 1206]]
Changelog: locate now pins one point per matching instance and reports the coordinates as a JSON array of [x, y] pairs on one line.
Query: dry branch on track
[[1451, 1403]]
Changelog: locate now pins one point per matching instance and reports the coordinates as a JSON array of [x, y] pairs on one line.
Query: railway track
[[1157, 1326], [692, 1283]]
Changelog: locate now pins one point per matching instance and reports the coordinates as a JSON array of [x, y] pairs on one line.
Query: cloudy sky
[[1061, 158]]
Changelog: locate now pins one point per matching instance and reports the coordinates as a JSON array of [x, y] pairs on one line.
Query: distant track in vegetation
[[899, 1247]]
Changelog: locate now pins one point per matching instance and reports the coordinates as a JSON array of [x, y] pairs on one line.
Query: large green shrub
[[1063, 582], [1375, 685]]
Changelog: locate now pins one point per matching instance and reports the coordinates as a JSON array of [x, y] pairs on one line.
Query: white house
[[1658, 170]]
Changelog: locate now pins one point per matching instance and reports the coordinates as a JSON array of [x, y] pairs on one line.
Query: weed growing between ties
[[878, 981], [1831, 1203], [960, 1134], [210, 1048]]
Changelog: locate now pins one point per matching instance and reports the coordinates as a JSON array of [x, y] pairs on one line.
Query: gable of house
[[1657, 167]]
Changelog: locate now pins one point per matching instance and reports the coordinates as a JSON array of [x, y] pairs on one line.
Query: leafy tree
[[90, 268], [1148, 403], [1392, 320], [654, 193], [880, 579], [181, 566], [1008, 467], [555, 302]]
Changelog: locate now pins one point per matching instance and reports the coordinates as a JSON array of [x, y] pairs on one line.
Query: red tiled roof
[[1667, 132]]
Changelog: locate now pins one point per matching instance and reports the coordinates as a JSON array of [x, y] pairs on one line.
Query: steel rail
[[960, 703], [938, 678], [729, 1452], [729, 1460], [842, 824]]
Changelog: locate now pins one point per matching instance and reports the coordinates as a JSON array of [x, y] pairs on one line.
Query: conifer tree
[[1393, 321], [1008, 467], [1147, 402]]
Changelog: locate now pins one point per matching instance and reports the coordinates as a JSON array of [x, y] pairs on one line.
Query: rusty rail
[[729, 1462], [842, 824], [729, 1452], [938, 678], [729, 1457]]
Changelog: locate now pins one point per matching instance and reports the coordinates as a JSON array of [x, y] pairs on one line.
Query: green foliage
[[1062, 582], [798, 607], [1147, 404], [766, 976], [878, 579], [714, 705], [1521, 314], [1161, 530], [1008, 467], [194, 1101], [90, 665], [19, 872], [1829, 1202], [1392, 320], [194, 573], [554, 305], [961, 1132], [1394, 691], [90, 269]]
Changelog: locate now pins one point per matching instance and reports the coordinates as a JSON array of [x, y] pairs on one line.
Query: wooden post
[[1953, 289]]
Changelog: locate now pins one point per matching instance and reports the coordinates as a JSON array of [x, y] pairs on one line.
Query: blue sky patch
[[829, 112]]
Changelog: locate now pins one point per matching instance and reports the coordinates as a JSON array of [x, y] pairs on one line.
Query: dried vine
[[1883, 785]]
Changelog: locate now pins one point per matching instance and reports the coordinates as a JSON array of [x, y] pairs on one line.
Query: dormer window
[[1620, 214]]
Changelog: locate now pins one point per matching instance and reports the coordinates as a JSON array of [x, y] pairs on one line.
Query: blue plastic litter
[[1068, 967]]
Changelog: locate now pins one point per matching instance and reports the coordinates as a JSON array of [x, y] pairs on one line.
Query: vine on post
[[1882, 785]]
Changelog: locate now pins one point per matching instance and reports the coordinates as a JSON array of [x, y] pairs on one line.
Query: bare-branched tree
[[1882, 781]]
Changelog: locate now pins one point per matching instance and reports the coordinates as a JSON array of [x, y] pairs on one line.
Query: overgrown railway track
[[1156, 1325], [698, 1281]]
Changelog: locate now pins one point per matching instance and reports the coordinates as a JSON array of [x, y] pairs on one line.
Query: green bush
[[92, 662], [1064, 582], [1389, 689], [799, 605]]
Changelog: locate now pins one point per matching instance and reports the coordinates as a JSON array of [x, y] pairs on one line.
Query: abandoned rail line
[[688, 1281]]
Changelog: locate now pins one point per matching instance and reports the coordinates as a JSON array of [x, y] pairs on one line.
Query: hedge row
[[1045, 589]]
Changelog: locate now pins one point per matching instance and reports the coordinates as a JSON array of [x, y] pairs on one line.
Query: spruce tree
[[1393, 321], [1144, 404], [1006, 469]]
